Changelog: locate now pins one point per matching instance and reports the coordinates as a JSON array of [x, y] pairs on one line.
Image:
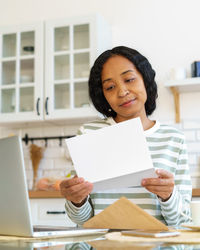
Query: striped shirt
[[168, 151]]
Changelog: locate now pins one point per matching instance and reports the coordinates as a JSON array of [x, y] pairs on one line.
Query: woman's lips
[[128, 103]]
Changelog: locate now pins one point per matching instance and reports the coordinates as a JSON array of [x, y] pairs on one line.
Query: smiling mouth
[[128, 103]]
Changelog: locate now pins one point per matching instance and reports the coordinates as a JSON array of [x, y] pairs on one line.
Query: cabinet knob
[[46, 105], [37, 106]]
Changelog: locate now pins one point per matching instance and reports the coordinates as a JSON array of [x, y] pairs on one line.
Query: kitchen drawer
[[50, 212]]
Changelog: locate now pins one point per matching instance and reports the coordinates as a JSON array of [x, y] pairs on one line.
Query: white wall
[[166, 31]]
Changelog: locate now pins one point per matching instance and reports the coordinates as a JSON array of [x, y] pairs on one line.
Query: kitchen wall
[[56, 161], [167, 32]]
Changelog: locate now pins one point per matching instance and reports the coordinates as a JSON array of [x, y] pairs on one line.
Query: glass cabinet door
[[61, 67], [18, 79], [61, 73], [8, 100], [27, 44], [26, 72], [61, 37], [62, 96], [8, 73], [81, 97], [17, 72], [81, 65], [72, 45], [9, 45], [81, 59], [81, 36], [71, 63], [26, 97]]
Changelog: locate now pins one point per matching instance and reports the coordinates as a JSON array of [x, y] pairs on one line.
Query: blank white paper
[[112, 157]]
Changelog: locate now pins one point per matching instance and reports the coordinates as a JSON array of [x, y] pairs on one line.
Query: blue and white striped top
[[168, 151]]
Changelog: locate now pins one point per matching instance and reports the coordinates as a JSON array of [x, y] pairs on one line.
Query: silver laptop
[[15, 213]]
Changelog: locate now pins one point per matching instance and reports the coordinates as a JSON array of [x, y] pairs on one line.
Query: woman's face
[[123, 88]]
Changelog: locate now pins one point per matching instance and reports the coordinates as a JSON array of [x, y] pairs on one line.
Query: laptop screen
[[15, 216]]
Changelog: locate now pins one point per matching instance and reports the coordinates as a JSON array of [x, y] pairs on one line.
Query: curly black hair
[[142, 65]]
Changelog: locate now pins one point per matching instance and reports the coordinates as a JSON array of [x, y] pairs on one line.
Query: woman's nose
[[123, 91]]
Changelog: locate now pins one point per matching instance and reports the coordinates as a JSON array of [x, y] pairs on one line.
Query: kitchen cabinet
[[45, 68], [72, 45], [182, 86], [21, 73], [50, 212]]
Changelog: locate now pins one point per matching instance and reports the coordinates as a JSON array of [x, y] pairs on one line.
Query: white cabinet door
[[72, 45], [50, 212], [21, 74]]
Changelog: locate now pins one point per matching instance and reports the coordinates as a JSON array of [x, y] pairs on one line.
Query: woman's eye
[[110, 87], [130, 80]]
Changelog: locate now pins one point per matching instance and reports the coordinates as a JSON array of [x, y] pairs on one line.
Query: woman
[[122, 87]]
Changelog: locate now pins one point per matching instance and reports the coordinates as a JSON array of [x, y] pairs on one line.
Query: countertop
[[44, 194], [56, 194]]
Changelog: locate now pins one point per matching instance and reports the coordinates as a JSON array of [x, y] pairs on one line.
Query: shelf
[[187, 85]]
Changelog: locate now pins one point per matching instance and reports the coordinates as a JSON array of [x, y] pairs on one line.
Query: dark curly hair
[[142, 65]]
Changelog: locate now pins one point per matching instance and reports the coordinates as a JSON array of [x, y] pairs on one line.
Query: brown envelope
[[120, 245], [123, 214]]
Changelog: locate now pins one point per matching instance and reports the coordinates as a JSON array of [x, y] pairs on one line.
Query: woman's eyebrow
[[127, 71], [123, 73], [106, 80]]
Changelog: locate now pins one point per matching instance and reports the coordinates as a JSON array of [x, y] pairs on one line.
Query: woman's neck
[[146, 122]]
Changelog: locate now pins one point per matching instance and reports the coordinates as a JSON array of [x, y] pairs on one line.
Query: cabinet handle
[[56, 212], [46, 105], [37, 106]]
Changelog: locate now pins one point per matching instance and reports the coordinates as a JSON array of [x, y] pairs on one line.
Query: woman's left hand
[[162, 186]]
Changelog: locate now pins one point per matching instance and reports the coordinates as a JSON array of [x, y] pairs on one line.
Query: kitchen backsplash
[[56, 160], [191, 130]]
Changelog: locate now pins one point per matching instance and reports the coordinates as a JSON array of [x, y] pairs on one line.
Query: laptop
[[15, 213]]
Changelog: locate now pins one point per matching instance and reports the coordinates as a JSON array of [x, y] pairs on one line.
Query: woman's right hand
[[76, 190]]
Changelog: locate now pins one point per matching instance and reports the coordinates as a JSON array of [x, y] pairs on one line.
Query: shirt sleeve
[[176, 210], [79, 214]]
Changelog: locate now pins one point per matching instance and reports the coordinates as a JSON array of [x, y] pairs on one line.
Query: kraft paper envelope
[[116, 156], [123, 214], [120, 245]]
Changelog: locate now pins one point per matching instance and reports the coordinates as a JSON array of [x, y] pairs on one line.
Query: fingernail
[[143, 182]]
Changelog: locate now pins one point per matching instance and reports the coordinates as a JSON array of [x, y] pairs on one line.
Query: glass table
[[88, 243]]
